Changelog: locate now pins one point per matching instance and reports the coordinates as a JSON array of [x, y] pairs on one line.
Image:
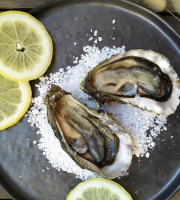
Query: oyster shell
[[93, 139], [142, 78]]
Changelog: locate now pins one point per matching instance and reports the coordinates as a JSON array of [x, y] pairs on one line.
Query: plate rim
[[13, 191]]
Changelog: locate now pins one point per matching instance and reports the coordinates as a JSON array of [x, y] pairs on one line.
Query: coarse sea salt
[[100, 39], [141, 125], [113, 21], [95, 33], [91, 38]]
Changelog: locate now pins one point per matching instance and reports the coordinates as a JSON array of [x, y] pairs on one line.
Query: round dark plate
[[21, 162]]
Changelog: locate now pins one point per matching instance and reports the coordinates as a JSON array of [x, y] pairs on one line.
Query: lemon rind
[[102, 183], [39, 70], [22, 107]]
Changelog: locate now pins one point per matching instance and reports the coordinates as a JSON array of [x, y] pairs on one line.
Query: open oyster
[[142, 78], [93, 139]]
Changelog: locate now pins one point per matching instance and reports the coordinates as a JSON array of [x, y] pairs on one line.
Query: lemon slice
[[25, 46], [15, 99], [99, 189]]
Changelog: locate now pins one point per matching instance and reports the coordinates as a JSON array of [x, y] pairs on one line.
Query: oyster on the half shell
[[93, 139], [142, 78]]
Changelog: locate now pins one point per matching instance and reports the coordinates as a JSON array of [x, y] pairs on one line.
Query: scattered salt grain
[[113, 28], [147, 155], [91, 38], [75, 60], [141, 125], [95, 41], [95, 33], [75, 43], [113, 21], [123, 47], [165, 128], [34, 142], [100, 39], [42, 78], [152, 144], [113, 38]]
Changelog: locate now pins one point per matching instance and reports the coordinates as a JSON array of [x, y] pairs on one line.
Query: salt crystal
[[75, 43], [165, 128], [34, 142], [91, 38], [147, 155], [113, 21], [76, 60], [100, 39], [95, 41], [42, 78], [135, 121], [95, 33], [152, 144]]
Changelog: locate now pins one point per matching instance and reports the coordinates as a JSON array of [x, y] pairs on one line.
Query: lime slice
[[15, 99], [99, 189], [25, 46]]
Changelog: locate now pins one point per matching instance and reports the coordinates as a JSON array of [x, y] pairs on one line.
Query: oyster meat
[[142, 78], [93, 139]]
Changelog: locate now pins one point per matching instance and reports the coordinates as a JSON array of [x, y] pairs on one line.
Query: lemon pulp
[[15, 99], [25, 46], [99, 189]]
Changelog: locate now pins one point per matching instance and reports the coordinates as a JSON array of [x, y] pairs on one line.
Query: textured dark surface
[[20, 4], [21, 162]]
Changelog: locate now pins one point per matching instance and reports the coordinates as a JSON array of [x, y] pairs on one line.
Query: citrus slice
[[15, 99], [99, 189], [25, 46]]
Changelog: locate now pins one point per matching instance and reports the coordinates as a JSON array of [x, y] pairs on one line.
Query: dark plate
[[21, 162]]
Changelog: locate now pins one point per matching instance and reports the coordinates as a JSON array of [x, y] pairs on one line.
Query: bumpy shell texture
[[93, 139], [142, 78]]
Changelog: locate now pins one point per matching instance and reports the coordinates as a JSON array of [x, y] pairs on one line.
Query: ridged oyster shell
[[142, 78], [93, 139]]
